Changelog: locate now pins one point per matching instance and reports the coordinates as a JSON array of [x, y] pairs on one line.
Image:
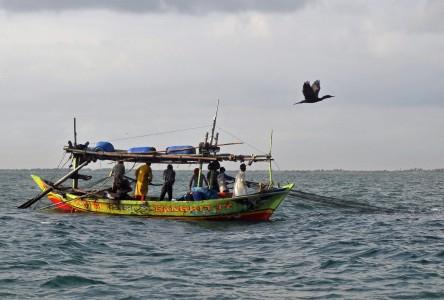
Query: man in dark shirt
[[212, 176], [169, 177], [195, 178]]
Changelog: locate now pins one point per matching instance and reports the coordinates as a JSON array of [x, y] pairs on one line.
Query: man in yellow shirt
[[144, 176]]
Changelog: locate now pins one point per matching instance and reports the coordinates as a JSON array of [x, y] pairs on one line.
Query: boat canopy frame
[[161, 158]]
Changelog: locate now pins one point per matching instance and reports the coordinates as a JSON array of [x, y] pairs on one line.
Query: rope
[[132, 168], [276, 164], [159, 133], [100, 181], [94, 183], [58, 166], [336, 202], [250, 145], [236, 137]]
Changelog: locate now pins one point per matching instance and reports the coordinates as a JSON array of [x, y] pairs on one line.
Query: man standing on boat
[[118, 173], [144, 176], [169, 177], [194, 180], [240, 184], [222, 181], [212, 176]]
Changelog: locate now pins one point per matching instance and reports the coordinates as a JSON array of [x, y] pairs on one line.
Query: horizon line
[[261, 170]]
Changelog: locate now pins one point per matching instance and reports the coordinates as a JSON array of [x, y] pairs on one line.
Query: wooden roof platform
[[162, 158]]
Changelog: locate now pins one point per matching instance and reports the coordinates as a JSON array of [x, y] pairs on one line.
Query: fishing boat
[[258, 205]]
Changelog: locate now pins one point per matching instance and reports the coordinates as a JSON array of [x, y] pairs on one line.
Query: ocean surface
[[309, 250]]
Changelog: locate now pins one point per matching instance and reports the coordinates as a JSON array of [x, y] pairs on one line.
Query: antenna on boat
[[75, 132], [205, 147], [214, 124], [216, 139]]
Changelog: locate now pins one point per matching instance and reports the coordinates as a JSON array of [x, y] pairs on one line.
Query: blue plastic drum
[[145, 149], [104, 146], [181, 150]]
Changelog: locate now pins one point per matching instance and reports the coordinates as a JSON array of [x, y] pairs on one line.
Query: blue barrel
[[145, 149], [181, 150], [104, 146], [199, 193], [197, 196]]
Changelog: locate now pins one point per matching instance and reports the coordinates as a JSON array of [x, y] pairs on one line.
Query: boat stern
[[56, 199]]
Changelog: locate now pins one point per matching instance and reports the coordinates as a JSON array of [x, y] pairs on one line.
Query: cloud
[[126, 74], [157, 6], [430, 17]]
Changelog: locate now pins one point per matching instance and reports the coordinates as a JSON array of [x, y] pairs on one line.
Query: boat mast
[[206, 147], [214, 124], [75, 159], [202, 151], [75, 132], [270, 171]]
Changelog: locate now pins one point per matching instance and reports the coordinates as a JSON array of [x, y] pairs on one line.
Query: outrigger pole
[[52, 187]]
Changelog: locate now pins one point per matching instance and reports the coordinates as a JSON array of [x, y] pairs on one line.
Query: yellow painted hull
[[256, 207]]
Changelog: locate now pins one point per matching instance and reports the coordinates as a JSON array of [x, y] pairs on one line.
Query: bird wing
[[308, 91], [316, 87]]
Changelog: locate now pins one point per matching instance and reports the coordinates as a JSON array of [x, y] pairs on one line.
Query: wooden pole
[[214, 124], [48, 190], [216, 140], [270, 171], [75, 180], [75, 132], [75, 159], [199, 181]]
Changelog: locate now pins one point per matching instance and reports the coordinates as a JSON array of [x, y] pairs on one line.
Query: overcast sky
[[129, 68]]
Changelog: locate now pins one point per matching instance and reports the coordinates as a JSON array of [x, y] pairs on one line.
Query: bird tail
[[299, 102]]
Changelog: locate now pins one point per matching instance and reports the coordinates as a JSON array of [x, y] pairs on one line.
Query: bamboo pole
[[270, 171], [199, 183], [48, 190], [75, 159]]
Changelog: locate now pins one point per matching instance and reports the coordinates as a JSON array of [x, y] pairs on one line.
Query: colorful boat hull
[[57, 199], [252, 207]]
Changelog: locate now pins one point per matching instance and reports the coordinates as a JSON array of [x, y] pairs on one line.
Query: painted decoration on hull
[[255, 207]]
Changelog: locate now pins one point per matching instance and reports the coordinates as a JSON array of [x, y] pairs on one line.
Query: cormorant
[[311, 93]]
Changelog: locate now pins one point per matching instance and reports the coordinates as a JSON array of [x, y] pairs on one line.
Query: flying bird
[[311, 93]]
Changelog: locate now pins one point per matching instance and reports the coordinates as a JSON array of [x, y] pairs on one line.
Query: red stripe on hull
[[59, 205]]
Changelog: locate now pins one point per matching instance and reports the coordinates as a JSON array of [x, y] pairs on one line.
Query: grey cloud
[[156, 6], [431, 19]]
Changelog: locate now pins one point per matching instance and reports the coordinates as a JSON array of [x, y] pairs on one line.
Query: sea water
[[307, 251]]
